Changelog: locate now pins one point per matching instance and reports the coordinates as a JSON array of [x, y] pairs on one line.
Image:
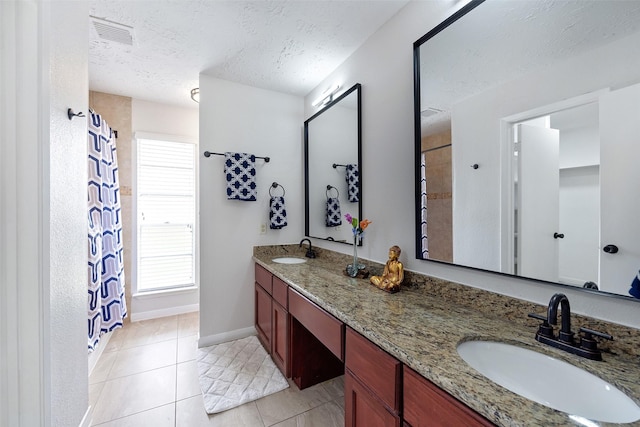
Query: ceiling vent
[[113, 31], [430, 111]]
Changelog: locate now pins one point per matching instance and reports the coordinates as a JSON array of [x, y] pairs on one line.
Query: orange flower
[[364, 224]]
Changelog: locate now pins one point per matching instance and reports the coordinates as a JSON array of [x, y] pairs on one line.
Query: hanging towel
[[334, 217], [635, 286], [240, 171], [353, 183], [277, 213]]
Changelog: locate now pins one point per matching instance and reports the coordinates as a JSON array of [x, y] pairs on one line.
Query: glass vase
[[352, 269]]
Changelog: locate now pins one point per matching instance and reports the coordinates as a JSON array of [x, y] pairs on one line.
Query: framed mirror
[[333, 166], [526, 140]]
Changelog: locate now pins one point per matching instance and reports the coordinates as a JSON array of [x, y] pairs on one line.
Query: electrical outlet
[[263, 228]]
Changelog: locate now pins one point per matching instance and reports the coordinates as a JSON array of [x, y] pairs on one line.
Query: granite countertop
[[422, 328]]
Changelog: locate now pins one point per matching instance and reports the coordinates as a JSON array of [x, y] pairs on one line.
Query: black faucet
[[565, 335], [588, 345], [310, 252]]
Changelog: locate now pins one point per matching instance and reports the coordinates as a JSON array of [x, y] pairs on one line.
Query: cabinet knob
[[558, 235], [610, 249]]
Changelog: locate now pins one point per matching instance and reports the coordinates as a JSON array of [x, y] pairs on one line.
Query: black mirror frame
[[417, 116], [358, 89], [417, 159]]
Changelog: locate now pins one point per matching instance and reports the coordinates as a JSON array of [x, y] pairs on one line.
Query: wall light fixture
[[327, 96]]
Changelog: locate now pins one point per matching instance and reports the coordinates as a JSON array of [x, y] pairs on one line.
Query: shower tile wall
[[116, 110], [439, 203]]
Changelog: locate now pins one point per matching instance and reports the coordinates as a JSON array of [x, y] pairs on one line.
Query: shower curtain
[[107, 305]]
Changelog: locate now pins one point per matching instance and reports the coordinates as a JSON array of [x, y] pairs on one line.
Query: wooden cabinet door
[[280, 338], [263, 316], [362, 408], [426, 405], [375, 368]]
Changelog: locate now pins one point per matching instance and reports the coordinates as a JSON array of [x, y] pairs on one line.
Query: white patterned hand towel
[[240, 171], [353, 182], [277, 213]]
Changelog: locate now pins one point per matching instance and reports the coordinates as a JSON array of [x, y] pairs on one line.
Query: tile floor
[[147, 376]]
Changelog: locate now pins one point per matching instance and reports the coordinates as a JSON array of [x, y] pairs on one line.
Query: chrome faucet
[[310, 252], [588, 346]]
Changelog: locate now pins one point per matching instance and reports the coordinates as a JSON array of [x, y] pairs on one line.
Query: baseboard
[[164, 312], [86, 420], [226, 336]]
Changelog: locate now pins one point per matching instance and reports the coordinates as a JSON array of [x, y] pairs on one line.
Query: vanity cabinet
[[426, 405], [280, 326], [272, 317], [263, 306], [372, 384]]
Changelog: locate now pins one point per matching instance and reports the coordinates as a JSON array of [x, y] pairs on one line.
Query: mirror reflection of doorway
[[558, 187]]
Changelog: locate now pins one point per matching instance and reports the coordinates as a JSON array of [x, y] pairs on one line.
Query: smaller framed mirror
[[333, 168]]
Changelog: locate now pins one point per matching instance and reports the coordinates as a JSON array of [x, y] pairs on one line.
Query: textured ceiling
[[286, 46], [501, 40]]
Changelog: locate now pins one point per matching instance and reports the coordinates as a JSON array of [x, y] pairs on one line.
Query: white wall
[[43, 355], [384, 66], [152, 118], [476, 128], [166, 119], [240, 118]]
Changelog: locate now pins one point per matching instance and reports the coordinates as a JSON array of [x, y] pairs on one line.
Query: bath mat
[[236, 372]]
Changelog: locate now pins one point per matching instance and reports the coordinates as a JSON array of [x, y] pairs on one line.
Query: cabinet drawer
[[280, 292], [326, 328], [375, 368], [263, 278], [426, 405], [363, 409]]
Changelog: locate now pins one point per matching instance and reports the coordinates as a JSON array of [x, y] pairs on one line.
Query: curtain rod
[[209, 153]]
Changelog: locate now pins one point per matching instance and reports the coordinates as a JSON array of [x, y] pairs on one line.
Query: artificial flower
[[357, 226]]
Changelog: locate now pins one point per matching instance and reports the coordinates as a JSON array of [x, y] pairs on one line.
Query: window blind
[[166, 214]]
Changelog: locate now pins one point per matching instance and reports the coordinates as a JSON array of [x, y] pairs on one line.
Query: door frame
[[507, 167]]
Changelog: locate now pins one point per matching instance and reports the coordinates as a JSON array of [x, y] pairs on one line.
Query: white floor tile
[[144, 358], [187, 380], [187, 347], [290, 402], [190, 413], [164, 416], [147, 376], [150, 331], [330, 414], [129, 395], [103, 367], [188, 324]]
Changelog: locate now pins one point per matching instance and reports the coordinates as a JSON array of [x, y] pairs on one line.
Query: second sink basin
[[289, 260], [549, 381]]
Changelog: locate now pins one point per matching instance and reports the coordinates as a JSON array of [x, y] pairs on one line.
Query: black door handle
[[558, 236], [610, 249]]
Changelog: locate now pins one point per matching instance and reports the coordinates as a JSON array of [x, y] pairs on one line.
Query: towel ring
[[329, 187], [276, 185]]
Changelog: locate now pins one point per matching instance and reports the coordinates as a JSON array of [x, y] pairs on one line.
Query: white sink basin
[[289, 260], [549, 381]]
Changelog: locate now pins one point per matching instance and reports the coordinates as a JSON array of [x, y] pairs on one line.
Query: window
[[166, 214]]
